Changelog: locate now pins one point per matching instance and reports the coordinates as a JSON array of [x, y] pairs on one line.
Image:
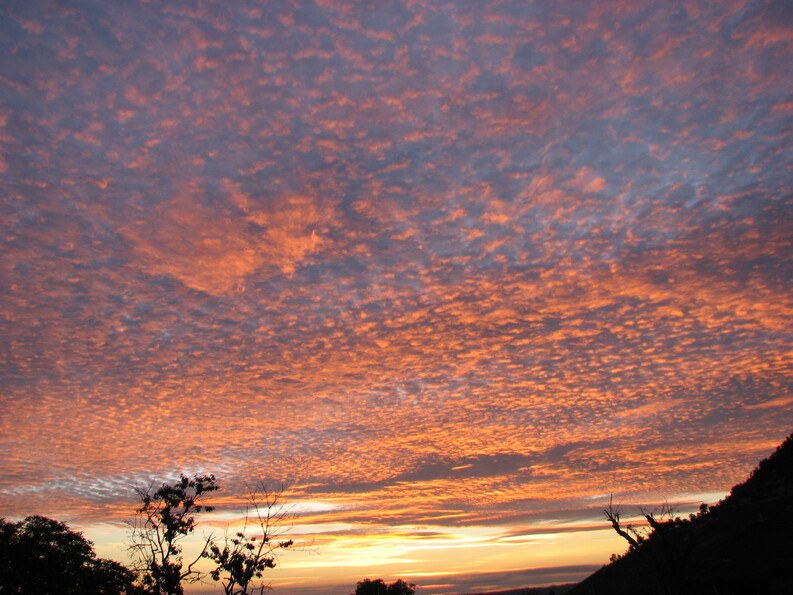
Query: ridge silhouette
[[743, 544]]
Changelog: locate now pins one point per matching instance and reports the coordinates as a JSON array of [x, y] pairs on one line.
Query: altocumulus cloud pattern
[[433, 263]]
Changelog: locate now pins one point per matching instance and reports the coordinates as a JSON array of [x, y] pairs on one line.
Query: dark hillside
[[552, 590], [742, 545]]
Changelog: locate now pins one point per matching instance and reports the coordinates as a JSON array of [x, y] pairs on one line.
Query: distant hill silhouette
[[742, 545], [552, 590]]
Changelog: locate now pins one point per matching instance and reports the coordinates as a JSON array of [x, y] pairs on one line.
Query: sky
[[453, 272]]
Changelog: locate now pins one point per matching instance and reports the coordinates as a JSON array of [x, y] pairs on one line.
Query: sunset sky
[[453, 271]]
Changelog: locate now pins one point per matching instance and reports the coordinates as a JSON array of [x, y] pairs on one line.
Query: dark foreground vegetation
[[742, 545], [41, 556], [379, 587]]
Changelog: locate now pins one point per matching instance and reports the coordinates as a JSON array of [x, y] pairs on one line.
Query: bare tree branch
[[613, 515], [245, 556]]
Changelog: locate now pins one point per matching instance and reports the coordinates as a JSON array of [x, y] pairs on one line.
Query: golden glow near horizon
[[454, 272]]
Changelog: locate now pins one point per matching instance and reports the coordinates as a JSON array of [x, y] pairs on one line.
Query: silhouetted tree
[[244, 557], [165, 517], [371, 587], [111, 577], [378, 587], [666, 540], [43, 556]]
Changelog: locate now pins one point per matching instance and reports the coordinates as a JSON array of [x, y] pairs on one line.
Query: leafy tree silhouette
[[165, 517], [378, 587], [43, 556]]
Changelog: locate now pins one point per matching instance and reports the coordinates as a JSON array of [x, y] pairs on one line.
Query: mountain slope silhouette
[[743, 544]]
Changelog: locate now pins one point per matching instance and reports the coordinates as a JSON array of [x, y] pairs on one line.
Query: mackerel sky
[[453, 271]]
